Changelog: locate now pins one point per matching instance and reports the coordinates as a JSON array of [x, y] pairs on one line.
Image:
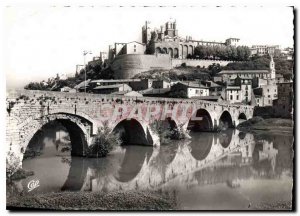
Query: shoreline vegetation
[[119, 200], [258, 125]]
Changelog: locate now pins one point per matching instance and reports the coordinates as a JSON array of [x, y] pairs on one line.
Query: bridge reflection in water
[[206, 159]]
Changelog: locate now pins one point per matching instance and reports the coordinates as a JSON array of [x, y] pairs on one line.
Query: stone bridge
[[83, 114]]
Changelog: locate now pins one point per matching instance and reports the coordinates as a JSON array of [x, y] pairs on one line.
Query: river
[[227, 170]]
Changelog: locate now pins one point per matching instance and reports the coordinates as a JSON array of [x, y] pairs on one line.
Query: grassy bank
[[258, 124], [130, 200], [283, 206]]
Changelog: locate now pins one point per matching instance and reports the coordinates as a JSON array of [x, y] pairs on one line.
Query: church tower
[[146, 33], [272, 68]]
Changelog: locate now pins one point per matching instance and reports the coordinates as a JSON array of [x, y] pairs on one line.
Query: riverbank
[[272, 125], [276, 206], [130, 200]]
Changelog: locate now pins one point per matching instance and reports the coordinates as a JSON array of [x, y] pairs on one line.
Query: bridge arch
[[176, 53], [170, 51], [158, 50], [190, 51], [185, 51], [225, 120], [165, 50], [79, 130], [205, 124], [242, 116], [132, 132]]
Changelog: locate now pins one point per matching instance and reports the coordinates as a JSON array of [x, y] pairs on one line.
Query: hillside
[[179, 73]]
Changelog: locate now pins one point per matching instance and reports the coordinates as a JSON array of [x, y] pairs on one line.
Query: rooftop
[[233, 88], [155, 91], [111, 86], [193, 85], [242, 71], [82, 84], [115, 81], [206, 97], [128, 93]]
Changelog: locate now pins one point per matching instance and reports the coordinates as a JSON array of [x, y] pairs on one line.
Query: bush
[[104, 142], [165, 134]]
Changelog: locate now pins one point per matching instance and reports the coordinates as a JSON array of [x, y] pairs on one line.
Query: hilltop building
[[264, 49], [166, 40]]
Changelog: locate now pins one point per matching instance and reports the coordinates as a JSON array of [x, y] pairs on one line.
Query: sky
[[40, 42]]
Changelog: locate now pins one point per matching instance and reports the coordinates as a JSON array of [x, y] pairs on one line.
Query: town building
[[128, 94], [68, 89], [161, 84], [265, 94], [108, 89], [283, 106], [103, 82], [288, 53], [228, 75], [155, 92], [133, 47], [190, 89], [239, 91], [81, 87], [233, 94], [142, 84], [264, 49], [214, 88], [265, 89]]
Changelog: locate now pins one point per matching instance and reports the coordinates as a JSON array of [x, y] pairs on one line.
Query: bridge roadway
[[83, 114]]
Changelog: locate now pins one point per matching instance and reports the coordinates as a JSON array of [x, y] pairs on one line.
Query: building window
[[237, 97], [134, 50], [134, 46], [269, 96], [231, 97], [197, 91], [268, 90]]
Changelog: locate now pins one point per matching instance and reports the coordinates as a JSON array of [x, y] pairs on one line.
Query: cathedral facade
[[166, 40]]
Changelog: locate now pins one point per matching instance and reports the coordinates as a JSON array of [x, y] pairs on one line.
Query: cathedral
[[166, 40]]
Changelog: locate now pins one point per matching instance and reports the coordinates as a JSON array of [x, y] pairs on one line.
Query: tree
[[214, 69], [201, 51]]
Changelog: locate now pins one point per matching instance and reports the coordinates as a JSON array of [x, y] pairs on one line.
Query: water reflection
[[230, 159], [135, 157], [201, 144]]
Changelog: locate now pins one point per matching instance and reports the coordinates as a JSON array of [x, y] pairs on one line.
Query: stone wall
[[127, 66], [198, 62]]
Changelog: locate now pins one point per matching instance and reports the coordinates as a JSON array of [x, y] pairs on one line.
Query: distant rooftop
[[243, 71], [233, 88], [193, 84], [115, 81], [210, 98], [155, 91], [111, 86]]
